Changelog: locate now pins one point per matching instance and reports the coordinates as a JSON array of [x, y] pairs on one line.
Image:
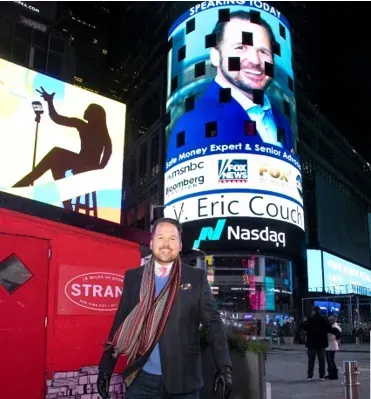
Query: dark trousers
[[331, 365], [151, 386], [320, 353]]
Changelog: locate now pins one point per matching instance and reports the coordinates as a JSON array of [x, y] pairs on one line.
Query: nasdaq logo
[[232, 171], [209, 233]]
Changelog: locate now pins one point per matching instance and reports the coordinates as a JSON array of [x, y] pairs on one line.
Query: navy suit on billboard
[[231, 118]]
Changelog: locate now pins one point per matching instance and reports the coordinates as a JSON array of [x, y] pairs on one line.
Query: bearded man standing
[[157, 326]]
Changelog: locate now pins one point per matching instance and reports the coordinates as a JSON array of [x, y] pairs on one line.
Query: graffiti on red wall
[[82, 384]]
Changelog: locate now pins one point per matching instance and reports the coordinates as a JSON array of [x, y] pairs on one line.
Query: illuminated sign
[[28, 6], [233, 203], [241, 234], [60, 144], [329, 273], [343, 277], [238, 233], [85, 291], [232, 170], [231, 107], [253, 173]]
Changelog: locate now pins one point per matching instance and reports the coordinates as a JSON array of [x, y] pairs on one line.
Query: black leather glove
[[223, 379], [103, 384]]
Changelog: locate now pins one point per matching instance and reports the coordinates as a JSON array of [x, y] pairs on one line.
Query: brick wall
[[81, 384]]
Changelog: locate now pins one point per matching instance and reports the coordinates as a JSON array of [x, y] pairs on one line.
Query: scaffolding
[[358, 310]]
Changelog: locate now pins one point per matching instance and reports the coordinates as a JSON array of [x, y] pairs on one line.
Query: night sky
[[342, 34]]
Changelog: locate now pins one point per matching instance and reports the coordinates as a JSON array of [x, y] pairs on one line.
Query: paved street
[[286, 371]]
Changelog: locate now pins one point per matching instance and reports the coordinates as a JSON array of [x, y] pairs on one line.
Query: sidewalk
[[287, 372], [362, 348]]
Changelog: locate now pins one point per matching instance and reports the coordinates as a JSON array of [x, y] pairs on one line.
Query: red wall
[[73, 341]]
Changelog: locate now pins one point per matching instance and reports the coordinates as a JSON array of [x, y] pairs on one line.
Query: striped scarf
[[142, 328]]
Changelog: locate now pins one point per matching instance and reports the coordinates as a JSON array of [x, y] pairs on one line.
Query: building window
[[174, 83], [234, 64], [247, 38], [191, 26], [131, 217], [210, 40], [180, 139], [142, 163], [225, 95], [142, 210], [210, 129], [282, 31], [255, 17], [281, 135], [182, 53], [154, 195], [250, 128], [189, 103], [224, 15], [286, 108], [13, 273], [132, 171], [269, 69], [155, 155], [200, 69]]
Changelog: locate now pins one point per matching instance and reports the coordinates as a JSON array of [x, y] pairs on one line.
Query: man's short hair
[[174, 222], [245, 16], [317, 309]]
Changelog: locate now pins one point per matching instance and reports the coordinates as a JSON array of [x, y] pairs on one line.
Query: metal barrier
[[350, 382]]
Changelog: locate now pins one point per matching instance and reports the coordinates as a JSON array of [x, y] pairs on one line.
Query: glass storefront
[[253, 292]]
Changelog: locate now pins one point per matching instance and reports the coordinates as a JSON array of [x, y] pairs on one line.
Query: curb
[[304, 349]]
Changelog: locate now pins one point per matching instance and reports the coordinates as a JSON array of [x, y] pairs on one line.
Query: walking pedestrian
[[157, 326]]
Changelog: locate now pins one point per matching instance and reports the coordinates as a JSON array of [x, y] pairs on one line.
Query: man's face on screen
[[252, 58]]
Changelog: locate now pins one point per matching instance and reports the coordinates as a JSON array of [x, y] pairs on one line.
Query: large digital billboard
[[334, 275], [60, 144], [343, 277], [232, 132]]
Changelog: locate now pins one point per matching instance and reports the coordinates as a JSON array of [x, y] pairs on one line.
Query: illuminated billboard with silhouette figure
[[60, 144]]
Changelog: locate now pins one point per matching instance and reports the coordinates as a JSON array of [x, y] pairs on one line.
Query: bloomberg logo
[[185, 169], [238, 233], [232, 171]]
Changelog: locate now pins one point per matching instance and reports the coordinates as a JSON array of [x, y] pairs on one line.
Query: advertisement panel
[[60, 144], [232, 132], [329, 273], [343, 277], [314, 270], [83, 291], [243, 234]]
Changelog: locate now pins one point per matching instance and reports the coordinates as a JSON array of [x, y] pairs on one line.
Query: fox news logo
[[232, 171]]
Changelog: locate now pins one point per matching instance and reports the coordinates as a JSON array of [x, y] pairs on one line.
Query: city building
[[70, 42]]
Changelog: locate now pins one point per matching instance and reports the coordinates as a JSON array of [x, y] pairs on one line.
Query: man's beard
[[239, 82], [170, 257]]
